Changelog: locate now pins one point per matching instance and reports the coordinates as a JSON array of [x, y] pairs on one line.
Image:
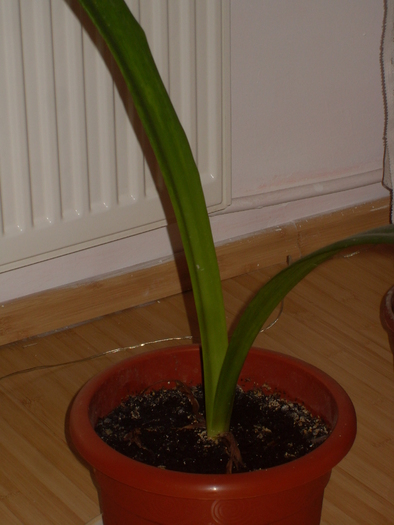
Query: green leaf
[[222, 363], [127, 42], [262, 306]]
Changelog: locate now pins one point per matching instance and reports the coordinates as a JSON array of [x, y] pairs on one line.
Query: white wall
[[311, 107], [307, 127]]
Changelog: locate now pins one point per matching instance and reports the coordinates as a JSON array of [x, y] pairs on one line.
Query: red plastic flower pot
[[387, 315], [132, 493]]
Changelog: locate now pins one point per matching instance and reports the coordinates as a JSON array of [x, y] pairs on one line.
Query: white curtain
[[388, 82]]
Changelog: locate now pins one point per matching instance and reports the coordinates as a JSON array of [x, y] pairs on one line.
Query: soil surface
[[165, 428]]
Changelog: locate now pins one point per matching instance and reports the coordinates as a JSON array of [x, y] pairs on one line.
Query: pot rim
[[387, 307], [125, 470]]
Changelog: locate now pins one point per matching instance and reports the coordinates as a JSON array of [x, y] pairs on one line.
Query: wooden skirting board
[[58, 308]]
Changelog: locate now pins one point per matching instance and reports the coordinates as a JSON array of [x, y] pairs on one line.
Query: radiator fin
[[76, 169]]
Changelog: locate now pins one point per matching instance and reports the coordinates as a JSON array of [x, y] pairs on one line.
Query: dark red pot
[[387, 315], [132, 493]]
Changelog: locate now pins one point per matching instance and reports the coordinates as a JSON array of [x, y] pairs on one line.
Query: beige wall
[[307, 127]]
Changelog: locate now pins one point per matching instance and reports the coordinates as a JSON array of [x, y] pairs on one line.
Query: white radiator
[[75, 168]]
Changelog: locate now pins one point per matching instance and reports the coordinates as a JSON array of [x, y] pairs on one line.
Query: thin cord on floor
[[116, 350], [94, 356], [141, 345]]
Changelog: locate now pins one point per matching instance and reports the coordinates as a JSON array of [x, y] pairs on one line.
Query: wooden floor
[[331, 320]]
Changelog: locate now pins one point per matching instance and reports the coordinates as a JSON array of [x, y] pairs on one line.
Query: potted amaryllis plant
[[134, 493]]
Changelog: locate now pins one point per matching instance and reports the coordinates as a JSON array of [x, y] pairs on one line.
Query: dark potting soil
[[165, 428]]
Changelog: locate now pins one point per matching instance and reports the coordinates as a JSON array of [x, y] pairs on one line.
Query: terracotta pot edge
[[208, 485]]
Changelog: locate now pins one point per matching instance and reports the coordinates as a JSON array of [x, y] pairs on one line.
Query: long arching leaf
[[264, 303], [127, 42]]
